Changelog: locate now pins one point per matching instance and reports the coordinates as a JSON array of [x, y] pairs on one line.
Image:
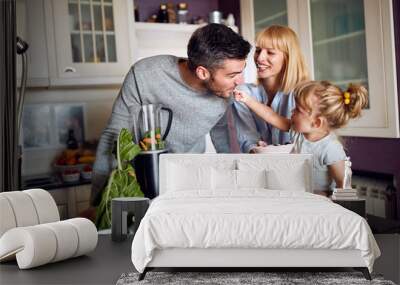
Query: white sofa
[[31, 231]]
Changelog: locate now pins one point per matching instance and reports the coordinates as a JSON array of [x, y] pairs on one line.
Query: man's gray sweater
[[157, 80]]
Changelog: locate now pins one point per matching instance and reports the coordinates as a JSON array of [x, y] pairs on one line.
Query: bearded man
[[197, 89]]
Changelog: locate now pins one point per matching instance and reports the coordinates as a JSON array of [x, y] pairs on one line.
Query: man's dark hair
[[214, 43]]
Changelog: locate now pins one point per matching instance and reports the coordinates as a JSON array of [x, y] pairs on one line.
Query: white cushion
[[34, 244], [87, 235], [66, 237], [283, 174], [26, 208], [223, 179], [45, 205], [292, 179], [211, 180], [227, 179], [23, 208], [251, 178], [7, 218], [188, 177], [40, 244]]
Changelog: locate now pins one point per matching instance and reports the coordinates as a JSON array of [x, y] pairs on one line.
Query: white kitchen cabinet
[[31, 28], [88, 41], [343, 41], [76, 42], [71, 200]]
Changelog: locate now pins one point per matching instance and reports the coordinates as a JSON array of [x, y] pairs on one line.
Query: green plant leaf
[[127, 148], [122, 181]]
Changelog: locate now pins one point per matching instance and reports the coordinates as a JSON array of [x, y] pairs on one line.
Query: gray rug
[[242, 278]]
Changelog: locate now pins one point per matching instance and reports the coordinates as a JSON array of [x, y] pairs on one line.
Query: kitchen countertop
[[49, 182]]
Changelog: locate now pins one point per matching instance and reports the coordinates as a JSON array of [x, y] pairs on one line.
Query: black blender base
[[146, 166]]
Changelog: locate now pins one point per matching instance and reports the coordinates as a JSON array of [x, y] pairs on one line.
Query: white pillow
[[251, 179], [183, 177], [293, 179], [223, 179]]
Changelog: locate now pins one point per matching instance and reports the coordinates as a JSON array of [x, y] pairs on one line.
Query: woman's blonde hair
[[337, 106], [286, 40]]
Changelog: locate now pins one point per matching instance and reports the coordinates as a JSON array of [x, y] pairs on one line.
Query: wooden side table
[[356, 205]]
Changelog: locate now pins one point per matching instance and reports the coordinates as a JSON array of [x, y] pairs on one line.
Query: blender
[[152, 142]]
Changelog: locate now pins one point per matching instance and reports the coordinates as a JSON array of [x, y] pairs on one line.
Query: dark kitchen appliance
[[152, 142]]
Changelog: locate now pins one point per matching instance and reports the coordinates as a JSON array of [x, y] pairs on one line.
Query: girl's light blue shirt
[[250, 128], [326, 151]]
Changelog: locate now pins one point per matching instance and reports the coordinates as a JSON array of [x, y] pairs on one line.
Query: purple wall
[[195, 8], [376, 154], [230, 6]]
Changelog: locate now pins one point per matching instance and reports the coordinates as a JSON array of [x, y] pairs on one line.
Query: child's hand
[[241, 96], [262, 143], [257, 149]]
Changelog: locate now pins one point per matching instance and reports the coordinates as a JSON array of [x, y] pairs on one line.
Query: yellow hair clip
[[346, 96]]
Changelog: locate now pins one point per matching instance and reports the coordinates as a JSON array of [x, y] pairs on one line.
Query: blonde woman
[[280, 67], [320, 109]]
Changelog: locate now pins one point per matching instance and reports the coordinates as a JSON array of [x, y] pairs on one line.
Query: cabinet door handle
[[69, 69]]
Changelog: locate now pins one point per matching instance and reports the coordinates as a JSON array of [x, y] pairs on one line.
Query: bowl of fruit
[[71, 175], [73, 159]]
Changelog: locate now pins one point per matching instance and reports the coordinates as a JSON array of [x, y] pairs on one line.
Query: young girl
[[320, 109], [280, 67]]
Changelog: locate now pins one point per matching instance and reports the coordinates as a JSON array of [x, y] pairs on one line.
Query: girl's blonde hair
[[285, 40], [337, 106]]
